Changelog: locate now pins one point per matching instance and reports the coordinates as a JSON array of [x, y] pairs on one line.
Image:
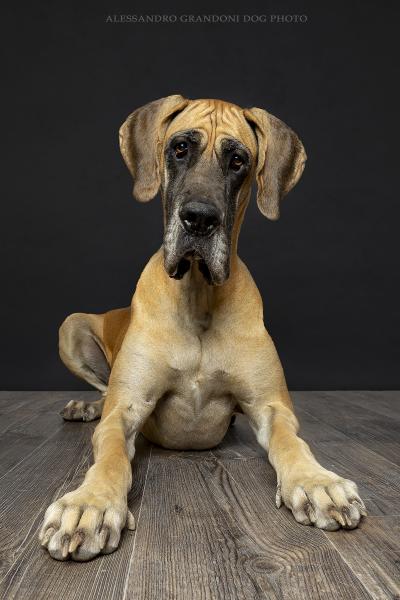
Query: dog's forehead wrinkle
[[214, 118], [192, 134], [230, 143]]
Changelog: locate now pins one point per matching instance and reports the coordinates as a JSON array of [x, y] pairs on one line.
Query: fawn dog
[[192, 348]]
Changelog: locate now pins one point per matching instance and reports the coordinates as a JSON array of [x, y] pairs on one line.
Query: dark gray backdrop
[[74, 239]]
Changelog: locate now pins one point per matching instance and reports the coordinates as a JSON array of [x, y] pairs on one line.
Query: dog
[[192, 348]]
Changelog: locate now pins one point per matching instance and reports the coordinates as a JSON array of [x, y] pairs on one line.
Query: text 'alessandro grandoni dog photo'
[[199, 386], [192, 349]]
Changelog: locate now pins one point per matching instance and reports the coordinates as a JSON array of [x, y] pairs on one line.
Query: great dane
[[192, 348]]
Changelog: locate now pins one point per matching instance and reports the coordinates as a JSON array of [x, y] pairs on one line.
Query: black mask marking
[[194, 178]]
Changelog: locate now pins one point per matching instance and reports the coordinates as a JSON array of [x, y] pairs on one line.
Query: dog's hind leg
[[82, 351]]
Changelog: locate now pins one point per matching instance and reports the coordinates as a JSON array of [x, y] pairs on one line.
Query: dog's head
[[203, 155]]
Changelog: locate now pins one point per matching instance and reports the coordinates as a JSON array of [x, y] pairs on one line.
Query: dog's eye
[[180, 149], [236, 162]]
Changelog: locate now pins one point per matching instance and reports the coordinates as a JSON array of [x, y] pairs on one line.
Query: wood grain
[[29, 420], [27, 571], [207, 526], [216, 533], [376, 431], [373, 553], [378, 479], [385, 403]]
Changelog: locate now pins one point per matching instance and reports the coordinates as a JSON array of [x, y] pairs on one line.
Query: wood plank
[[26, 489], [372, 551], [14, 401], [17, 401], [385, 403], [208, 526], [375, 431], [210, 529], [17, 409], [27, 571], [36, 420], [378, 479]]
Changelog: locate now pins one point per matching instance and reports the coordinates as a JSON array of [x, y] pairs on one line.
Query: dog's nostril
[[191, 217], [211, 222], [200, 218]]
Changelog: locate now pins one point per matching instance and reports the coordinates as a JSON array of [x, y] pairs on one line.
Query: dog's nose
[[200, 218]]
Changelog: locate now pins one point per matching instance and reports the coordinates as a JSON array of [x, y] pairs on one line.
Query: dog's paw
[[79, 410], [322, 499], [82, 525]]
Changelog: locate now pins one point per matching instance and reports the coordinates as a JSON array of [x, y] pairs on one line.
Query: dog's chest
[[195, 415], [198, 389], [196, 409], [196, 406]]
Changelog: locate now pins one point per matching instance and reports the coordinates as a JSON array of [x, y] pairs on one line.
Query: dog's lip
[[193, 255], [182, 266], [184, 261], [189, 255], [181, 263], [172, 266]]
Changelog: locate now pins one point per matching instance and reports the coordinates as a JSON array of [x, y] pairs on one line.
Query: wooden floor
[[207, 526]]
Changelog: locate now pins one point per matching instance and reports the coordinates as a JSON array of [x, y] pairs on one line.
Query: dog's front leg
[[313, 494], [89, 520]]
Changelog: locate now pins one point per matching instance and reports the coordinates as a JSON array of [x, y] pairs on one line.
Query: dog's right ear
[[140, 139]]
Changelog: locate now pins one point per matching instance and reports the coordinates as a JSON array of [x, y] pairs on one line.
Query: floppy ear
[[281, 160], [140, 138]]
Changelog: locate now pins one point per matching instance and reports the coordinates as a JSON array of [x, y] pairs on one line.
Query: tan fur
[[115, 326], [183, 358]]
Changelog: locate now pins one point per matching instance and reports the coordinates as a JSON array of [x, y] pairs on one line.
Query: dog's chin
[[178, 268]]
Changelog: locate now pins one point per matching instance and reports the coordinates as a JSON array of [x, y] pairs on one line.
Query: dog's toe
[[326, 501], [78, 410], [73, 411], [82, 526]]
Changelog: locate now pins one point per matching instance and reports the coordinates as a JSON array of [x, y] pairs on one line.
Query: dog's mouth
[[184, 264], [184, 254]]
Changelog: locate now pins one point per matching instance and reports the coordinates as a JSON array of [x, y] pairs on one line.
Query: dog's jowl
[[192, 348]]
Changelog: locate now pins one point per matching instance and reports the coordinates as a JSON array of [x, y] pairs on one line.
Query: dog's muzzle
[[195, 233]]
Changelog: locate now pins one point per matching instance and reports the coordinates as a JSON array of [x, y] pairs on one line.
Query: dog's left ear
[[140, 139], [281, 160]]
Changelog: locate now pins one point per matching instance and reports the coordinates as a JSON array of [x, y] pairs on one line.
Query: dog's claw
[[104, 535], [76, 541], [346, 515], [310, 512], [361, 506], [46, 538], [130, 521], [278, 496], [65, 546], [338, 517]]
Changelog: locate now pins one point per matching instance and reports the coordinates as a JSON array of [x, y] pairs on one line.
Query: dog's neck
[[195, 299], [197, 302], [194, 303]]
